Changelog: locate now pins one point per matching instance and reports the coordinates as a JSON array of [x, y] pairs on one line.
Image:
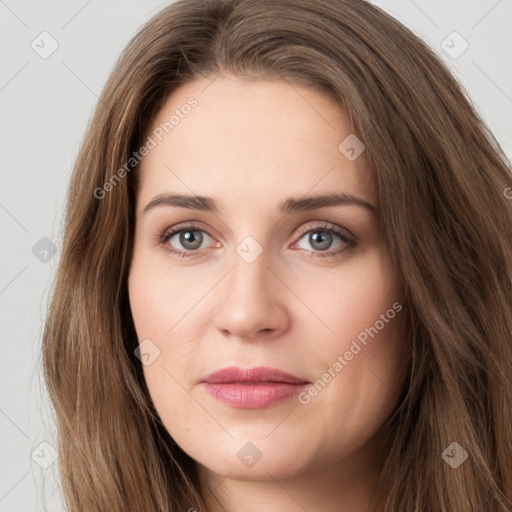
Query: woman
[[202, 351]]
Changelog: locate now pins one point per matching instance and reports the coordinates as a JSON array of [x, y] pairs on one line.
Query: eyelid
[[190, 225], [322, 224]]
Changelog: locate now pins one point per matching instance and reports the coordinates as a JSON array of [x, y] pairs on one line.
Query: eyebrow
[[290, 205]]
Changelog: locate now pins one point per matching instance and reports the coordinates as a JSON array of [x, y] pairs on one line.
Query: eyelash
[[168, 234]]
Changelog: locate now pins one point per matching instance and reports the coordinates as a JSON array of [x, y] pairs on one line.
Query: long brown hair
[[443, 184]]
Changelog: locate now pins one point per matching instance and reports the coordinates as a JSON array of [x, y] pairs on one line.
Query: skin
[[250, 145]]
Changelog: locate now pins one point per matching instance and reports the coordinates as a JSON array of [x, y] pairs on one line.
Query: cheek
[[171, 361], [361, 364], [144, 297], [159, 306], [352, 300], [358, 365], [159, 300]]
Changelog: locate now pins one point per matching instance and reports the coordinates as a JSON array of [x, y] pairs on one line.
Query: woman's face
[[253, 278]]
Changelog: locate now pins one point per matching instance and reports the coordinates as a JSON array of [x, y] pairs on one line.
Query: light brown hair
[[441, 178]]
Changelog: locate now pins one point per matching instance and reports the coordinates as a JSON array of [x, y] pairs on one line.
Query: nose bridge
[[250, 272], [250, 300]]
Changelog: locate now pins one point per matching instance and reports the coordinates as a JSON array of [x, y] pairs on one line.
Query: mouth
[[252, 388]]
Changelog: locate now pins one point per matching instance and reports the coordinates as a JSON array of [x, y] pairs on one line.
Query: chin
[[262, 471], [252, 461]]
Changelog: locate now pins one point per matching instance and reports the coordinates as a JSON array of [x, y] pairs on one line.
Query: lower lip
[[253, 396]]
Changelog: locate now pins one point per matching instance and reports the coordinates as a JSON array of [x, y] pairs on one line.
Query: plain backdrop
[[55, 58]]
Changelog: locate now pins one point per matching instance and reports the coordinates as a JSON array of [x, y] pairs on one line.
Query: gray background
[[45, 105]]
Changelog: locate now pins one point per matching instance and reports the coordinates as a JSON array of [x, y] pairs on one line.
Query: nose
[[251, 301]]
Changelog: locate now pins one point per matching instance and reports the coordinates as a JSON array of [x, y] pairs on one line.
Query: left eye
[[321, 239]]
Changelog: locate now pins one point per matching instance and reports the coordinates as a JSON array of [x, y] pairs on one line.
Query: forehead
[[251, 141]]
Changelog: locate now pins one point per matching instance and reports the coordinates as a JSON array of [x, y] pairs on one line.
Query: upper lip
[[257, 374]]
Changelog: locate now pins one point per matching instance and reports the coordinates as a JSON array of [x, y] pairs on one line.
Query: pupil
[[324, 240], [187, 239]]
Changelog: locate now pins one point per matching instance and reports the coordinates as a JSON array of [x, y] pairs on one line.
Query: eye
[[190, 237], [321, 238]]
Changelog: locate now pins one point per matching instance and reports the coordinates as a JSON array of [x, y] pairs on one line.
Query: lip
[[252, 388]]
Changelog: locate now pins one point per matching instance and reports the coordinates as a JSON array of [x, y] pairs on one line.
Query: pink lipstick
[[252, 388]]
